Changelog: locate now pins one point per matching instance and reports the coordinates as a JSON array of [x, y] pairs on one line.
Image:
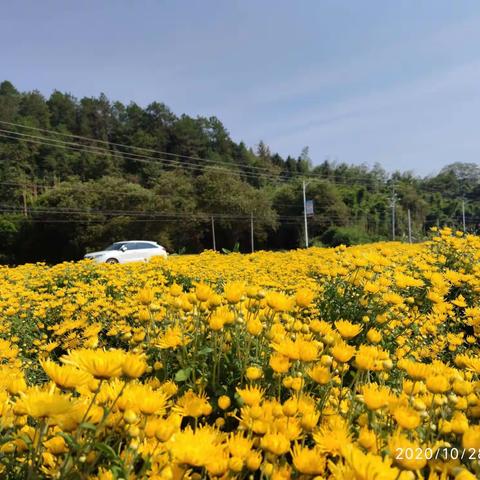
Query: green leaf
[[6, 439], [69, 440], [183, 374], [26, 439], [88, 426], [106, 449], [118, 471], [238, 399], [205, 351]]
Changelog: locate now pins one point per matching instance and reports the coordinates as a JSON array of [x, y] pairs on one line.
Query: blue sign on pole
[[309, 207]]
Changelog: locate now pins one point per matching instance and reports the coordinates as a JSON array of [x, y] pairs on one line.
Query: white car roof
[[135, 241]]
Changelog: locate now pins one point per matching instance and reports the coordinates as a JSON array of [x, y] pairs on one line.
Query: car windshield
[[114, 246]]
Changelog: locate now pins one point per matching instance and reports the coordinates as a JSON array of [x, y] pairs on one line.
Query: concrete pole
[[393, 216], [213, 235], [409, 227], [305, 213], [251, 233]]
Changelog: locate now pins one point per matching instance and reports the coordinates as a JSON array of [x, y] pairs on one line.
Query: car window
[[146, 245], [115, 246], [135, 246]]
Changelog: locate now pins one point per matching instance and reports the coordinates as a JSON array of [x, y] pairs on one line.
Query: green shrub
[[335, 236]]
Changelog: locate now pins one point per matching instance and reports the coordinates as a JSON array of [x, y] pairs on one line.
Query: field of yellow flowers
[[347, 363]]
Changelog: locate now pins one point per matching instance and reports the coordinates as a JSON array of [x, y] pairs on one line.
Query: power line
[[66, 216], [366, 177], [13, 135], [45, 141], [177, 155], [221, 166], [136, 213], [149, 215], [133, 157], [146, 213], [84, 186]]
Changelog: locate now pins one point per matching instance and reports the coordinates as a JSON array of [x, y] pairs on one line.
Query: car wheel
[[112, 260]]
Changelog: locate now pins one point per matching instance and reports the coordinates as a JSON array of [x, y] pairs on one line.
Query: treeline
[[78, 174]]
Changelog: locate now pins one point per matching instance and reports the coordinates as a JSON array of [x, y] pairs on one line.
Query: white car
[[131, 251]]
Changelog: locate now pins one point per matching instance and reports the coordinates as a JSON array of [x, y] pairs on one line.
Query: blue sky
[[393, 82]]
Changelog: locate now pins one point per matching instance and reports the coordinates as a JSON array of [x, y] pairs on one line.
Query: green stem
[[37, 454]]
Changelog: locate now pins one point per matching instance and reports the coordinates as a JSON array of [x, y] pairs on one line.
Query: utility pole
[[409, 227], [25, 208], [213, 235], [393, 204], [251, 232], [305, 213], [463, 215]]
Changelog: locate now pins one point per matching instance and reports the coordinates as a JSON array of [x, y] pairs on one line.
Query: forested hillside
[[78, 174]]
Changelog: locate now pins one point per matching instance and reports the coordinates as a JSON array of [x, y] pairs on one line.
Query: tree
[[263, 151], [175, 194], [219, 141], [465, 172], [304, 161], [95, 118], [75, 216], [231, 201], [9, 101], [34, 110], [63, 111], [188, 137], [144, 172]]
